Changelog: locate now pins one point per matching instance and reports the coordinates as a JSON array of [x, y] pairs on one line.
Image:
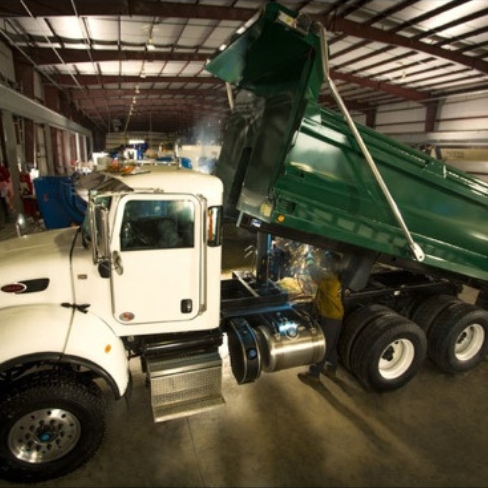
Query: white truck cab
[[161, 240], [146, 263]]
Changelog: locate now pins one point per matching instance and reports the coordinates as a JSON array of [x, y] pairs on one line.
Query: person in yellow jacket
[[328, 305]]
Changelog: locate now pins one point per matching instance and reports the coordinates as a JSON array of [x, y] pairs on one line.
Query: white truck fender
[[92, 340], [33, 329], [50, 330]]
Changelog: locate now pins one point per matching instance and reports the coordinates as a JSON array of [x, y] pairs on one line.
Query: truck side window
[[157, 224]]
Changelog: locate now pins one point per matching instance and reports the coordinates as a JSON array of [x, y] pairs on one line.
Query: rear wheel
[[51, 423], [388, 353], [429, 308], [458, 338], [353, 324]]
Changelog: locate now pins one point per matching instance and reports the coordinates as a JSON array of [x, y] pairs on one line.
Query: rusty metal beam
[[95, 94], [406, 93], [362, 31], [87, 80], [179, 102], [328, 100], [54, 8], [46, 56]]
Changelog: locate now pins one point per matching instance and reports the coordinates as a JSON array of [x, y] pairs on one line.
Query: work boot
[[309, 379], [329, 370]]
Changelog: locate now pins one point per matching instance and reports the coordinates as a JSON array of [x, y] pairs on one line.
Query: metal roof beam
[[13, 101], [396, 90], [362, 31], [143, 94], [87, 80], [56, 8], [156, 103], [46, 56]]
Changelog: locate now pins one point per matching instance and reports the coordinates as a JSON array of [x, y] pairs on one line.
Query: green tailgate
[[289, 162]]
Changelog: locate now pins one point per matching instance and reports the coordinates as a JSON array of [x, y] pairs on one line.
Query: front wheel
[[51, 423]]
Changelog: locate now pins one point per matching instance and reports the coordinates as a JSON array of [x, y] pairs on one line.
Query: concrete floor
[[279, 432]]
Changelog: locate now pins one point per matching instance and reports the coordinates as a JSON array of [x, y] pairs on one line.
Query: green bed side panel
[[327, 188]]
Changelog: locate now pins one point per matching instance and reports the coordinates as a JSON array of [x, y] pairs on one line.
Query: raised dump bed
[[294, 165]]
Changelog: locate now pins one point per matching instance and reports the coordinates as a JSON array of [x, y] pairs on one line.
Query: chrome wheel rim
[[44, 435]]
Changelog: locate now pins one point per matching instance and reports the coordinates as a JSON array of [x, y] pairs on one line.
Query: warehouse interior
[[80, 79], [91, 86], [278, 431]]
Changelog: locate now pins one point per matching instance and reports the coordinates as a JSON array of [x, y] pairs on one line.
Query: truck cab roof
[[168, 179]]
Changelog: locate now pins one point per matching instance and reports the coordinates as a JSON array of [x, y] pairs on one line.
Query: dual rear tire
[[457, 332], [385, 350], [458, 338]]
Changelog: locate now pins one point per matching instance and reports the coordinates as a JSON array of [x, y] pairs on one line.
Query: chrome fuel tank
[[272, 342], [289, 346]]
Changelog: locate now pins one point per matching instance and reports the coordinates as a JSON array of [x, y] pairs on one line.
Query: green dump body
[[287, 161]]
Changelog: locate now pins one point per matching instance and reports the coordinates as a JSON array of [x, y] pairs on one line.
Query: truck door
[[157, 249]]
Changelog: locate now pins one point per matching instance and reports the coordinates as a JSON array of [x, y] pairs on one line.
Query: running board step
[[185, 385]]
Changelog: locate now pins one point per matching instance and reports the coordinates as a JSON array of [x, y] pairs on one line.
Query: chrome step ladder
[[185, 385]]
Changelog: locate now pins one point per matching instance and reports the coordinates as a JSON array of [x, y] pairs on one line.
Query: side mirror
[[99, 233]]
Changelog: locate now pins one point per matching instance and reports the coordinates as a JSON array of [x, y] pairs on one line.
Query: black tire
[[51, 423], [388, 353], [406, 306], [353, 324], [458, 338], [426, 312], [413, 304]]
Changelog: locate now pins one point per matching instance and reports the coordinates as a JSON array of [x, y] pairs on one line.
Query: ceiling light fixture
[[150, 46]]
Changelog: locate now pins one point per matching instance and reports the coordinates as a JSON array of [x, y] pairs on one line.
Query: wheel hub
[[44, 435], [469, 342], [47, 433], [396, 359]]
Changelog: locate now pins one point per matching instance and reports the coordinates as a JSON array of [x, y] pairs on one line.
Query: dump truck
[[140, 279]]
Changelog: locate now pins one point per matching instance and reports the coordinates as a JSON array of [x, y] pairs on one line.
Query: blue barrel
[[59, 204]]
